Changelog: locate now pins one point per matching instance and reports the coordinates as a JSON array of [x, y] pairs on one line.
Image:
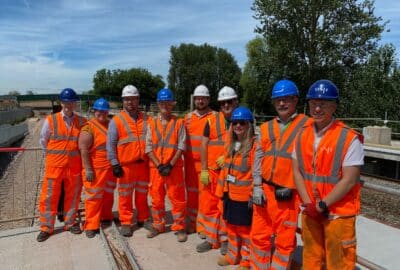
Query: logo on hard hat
[[321, 89]]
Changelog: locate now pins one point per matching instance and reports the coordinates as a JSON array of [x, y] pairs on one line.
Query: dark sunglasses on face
[[223, 102], [242, 123]]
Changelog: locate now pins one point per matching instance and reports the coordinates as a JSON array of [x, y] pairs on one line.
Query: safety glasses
[[223, 102], [241, 123]]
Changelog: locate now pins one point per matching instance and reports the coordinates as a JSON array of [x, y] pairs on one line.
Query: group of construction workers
[[240, 192]]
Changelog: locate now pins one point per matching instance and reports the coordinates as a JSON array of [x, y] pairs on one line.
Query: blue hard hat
[[68, 95], [323, 89], [165, 95], [242, 114], [284, 88], [101, 104]]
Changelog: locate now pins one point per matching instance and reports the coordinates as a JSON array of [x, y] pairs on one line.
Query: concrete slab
[[20, 250]]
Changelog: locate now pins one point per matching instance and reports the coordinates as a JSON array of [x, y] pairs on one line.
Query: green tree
[[191, 65], [14, 93], [311, 40], [106, 82]]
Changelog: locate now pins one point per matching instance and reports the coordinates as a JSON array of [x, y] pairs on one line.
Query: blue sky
[[49, 45]]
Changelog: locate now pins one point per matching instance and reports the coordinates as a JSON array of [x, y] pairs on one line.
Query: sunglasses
[[242, 123], [229, 102]]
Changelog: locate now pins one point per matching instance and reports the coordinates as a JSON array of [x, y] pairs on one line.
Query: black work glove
[[166, 169], [117, 170], [160, 168]]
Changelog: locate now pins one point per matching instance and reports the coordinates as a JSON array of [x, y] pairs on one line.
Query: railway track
[[120, 255]]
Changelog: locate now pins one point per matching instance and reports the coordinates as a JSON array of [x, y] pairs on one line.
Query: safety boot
[[152, 232], [75, 229], [202, 235], [222, 261], [182, 236], [144, 224], [126, 230], [91, 233], [240, 267], [203, 247], [224, 248], [43, 236]]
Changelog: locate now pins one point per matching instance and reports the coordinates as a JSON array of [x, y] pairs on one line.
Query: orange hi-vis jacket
[[131, 137], [62, 148], [217, 136], [239, 167], [194, 132], [322, 169], [276, 165], [98, 152], [165, 141]]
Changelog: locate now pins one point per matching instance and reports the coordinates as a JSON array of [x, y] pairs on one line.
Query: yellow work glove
[[204, 177], [220, 161]]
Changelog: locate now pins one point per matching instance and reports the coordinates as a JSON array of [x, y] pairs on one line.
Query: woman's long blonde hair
[[246, 144]]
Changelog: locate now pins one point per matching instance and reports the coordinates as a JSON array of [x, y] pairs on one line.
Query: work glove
[[311, 210], [160, 168], [204, 177], [220, 161], [89, 175], [166, 169], [258, 196], [117, 170]]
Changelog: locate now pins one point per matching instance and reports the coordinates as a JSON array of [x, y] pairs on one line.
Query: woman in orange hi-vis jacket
[[59, 139], [235, 186], [326, 165], [165, 143], [97, 175]]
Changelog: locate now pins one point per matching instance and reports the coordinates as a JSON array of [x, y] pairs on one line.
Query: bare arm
[[85, 141], [299, 182]]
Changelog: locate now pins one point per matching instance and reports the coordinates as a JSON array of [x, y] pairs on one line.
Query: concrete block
[[377, 135]]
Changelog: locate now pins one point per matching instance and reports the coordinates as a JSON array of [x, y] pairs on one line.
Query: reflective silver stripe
[[125, 193], [219, 140], [109, 190], [64, 138], [157, 212], [101, 147], [96, 196], [127, 185], [264, 255], [93, 190], [142, 183], [47, 213], [334, 174], [290, 223], [231, 256], [164, 143], [141, 190], [72, 153], [242, 183], [178, 215], [349, 242], [210, 219], [292, 136], [195, 137], [70, 216], [276, 266], [132, 138], [111, 183], [100, 128], [243, 168], [193, 148], [282, 257]]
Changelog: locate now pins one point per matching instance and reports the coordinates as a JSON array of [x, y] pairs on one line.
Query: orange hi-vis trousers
[[238, 245], [210, 212], [135, 178], [329, 245], [51, 190], [98, 202], [174, 183], [192, 172], [279, 218]]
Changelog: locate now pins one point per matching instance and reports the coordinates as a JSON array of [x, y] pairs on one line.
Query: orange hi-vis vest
[[276, 165], [165, 141], [217, 139], [62, 149], [131, 137], [322, 169], [98, 151], [194, 133], [239, 167]]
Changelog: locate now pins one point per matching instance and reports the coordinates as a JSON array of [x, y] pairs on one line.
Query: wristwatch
[[324, 207]]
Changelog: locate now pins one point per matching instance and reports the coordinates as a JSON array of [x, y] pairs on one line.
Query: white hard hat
[[201, 91], [130, 91], [226, 93]]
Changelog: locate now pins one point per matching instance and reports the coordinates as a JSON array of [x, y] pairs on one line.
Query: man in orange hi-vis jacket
[[327, 157], [165, 143], [212, 160], [194, 124], [59, 139], [276, 204], [98, 179], [125, 151]]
